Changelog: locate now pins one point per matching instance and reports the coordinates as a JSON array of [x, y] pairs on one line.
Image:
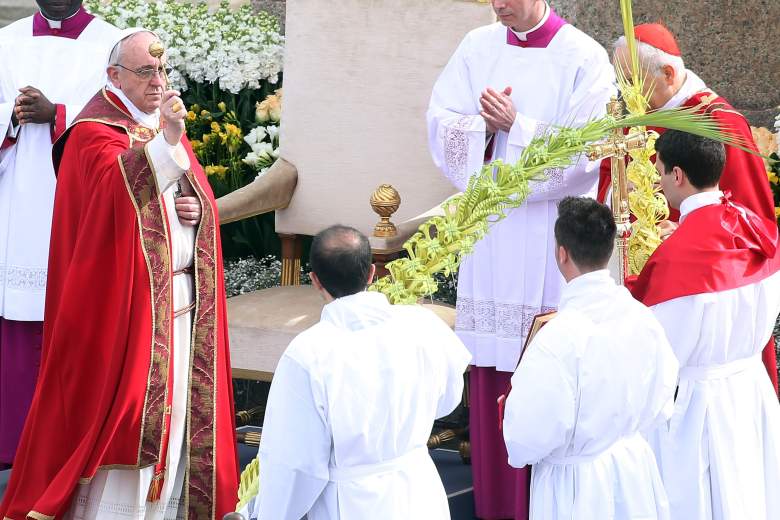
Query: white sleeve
[[540, 410], [456, 358], [6, 128], [294, 448], [169, 162], [593, 87], [456, 131]]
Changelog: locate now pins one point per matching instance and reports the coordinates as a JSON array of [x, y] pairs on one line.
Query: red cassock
[[101, 397], [744, 175]]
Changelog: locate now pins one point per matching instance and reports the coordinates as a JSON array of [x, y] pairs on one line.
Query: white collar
[[691, 86], [148, 120], [357, 311], [585, 284], [57, 24], [699, 200], [523, 36]]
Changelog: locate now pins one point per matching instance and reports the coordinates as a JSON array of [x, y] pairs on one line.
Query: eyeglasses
[[146, 73]]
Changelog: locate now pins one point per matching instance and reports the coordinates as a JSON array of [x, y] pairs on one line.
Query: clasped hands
[[31, 106], [497, 109]]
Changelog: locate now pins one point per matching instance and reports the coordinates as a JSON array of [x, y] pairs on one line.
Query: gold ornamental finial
[[157, 50], [385, 201]]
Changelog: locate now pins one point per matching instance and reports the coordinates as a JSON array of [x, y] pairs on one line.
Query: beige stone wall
[[12, 10], [355, 98]]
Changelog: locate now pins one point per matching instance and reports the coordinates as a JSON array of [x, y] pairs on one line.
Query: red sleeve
[[59, 124], [605, 180], [745, 173]]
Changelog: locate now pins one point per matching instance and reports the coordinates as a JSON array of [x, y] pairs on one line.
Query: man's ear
[[679, 176], [563, 255], [669, 74], [371, 274], [113, 76]]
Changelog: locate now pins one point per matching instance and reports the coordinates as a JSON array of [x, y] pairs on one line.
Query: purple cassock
[[500, 491], [20, 341]]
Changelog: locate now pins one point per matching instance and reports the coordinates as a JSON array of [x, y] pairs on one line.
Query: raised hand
[[498, 110], [33, 107], [173, 113]]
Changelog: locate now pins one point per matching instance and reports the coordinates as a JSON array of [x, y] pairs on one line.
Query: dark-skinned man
[[51, 63]]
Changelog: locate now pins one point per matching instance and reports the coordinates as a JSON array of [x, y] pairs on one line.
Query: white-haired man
[[669, 85], [135, 373]]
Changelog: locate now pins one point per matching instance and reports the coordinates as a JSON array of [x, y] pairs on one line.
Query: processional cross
[[616, 147]]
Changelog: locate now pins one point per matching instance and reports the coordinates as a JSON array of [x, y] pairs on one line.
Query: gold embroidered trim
[[39, 516], [151, 284]]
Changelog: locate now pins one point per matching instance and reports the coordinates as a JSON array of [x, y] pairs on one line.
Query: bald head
[[341, 260]]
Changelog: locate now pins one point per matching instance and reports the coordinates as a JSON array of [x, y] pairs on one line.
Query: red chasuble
[[100, 399], [716, 248], [744, 174]]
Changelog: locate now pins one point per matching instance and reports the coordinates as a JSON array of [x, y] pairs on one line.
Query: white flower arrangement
[[264, 152], [234, 48], [777, 131]]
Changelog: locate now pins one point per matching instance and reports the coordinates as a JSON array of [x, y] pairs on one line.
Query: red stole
[[716, 248], [108, 330]]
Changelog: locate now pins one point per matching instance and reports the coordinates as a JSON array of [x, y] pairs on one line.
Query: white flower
[[256, 135], [273, 132], [251, 159], [262, 148], [234, 48]]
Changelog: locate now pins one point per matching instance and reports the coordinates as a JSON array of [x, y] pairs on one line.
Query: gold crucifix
[[616, 147]]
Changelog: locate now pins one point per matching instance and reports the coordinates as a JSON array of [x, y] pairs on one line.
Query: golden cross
[[616, 147]]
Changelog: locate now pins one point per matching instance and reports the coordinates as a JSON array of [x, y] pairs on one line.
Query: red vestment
[[716, 248], [744, 175], [100, 399]]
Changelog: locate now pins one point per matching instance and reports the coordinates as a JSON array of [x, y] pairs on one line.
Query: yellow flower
[[191, 116], [205, 114], [196, 145], [221, 106], [206, 138], [215, 127], [195, 108], [217, 170], [232, 129], [773, 179], [777, 212]]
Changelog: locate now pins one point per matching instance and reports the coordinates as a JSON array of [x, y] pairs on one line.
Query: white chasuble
[[593, 378], [511, 275]]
